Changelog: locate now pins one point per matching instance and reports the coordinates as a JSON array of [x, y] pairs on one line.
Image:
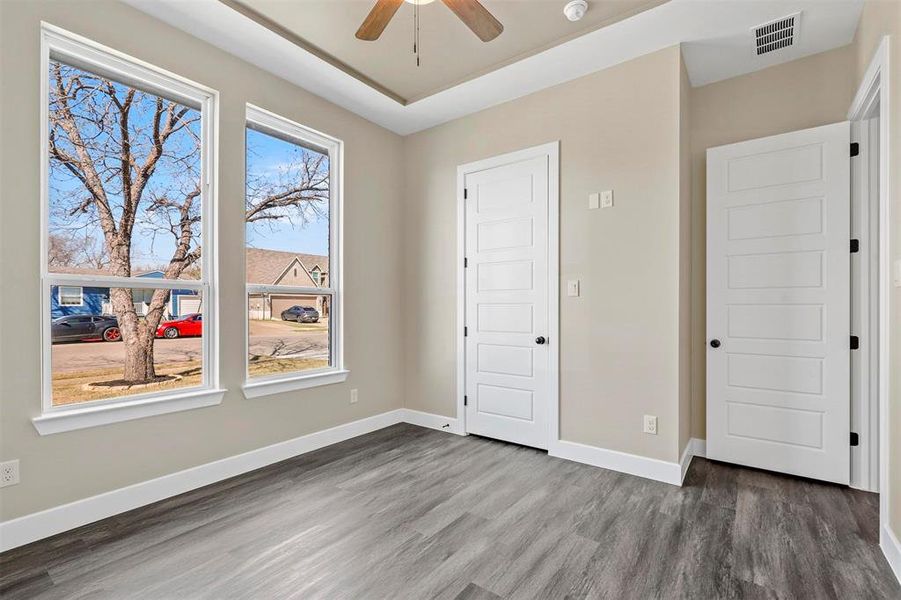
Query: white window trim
[[256, 387], [59, 295], [59, 44]]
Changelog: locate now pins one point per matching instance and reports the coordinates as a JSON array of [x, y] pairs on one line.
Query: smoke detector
[[776, 35], [575, 10]]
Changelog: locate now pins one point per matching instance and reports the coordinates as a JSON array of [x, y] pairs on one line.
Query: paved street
[[268, 338]]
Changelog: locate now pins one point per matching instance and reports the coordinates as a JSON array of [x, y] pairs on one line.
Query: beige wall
[[619, 359], [882, 18], [804, 93], [685, 266], [69, 466]]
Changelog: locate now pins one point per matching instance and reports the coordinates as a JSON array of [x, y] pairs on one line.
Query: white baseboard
[[685, 461], [33, 527], [432, 421], [891, 548], [699, 447], [694, 447], [642, 466]]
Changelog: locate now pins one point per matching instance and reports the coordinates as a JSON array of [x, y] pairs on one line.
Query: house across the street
[[77, 300], [274, 267]]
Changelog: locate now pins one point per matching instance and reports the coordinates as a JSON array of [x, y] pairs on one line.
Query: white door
[[506, 286], [778, 303]]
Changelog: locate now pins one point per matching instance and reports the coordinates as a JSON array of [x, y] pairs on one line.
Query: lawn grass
[[265, 365], [68, 388]]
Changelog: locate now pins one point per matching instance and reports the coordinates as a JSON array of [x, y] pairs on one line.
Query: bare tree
[[61, 251], [75, 251], [296, 190], [129, 163]]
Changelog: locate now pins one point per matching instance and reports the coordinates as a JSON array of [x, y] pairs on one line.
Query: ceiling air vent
[[776, 35]]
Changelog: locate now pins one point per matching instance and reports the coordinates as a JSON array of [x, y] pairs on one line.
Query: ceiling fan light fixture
[[475, 16]]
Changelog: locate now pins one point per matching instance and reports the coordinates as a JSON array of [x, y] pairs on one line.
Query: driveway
[[267, 338]]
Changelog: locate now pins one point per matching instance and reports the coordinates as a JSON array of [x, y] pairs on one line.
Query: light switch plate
[[594, 200], [572, 287], [607, 199]]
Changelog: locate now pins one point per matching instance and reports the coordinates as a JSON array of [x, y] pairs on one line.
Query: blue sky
[[176, 174], [268, 158], [268, 155]]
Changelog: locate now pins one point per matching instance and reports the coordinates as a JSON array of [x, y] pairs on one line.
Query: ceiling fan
[[471, 12]]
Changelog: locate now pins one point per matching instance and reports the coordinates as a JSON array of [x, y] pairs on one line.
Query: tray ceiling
[[715, 37], [450, 53]]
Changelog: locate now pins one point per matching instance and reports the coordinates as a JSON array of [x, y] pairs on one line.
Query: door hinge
[[855, 342], [855, 439], [465, 331], [855, 246], [465, 401], [855, 149], [465, 193], [465, 262]]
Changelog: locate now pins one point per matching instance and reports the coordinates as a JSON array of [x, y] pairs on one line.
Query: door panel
[[778, 293], [506, 212]]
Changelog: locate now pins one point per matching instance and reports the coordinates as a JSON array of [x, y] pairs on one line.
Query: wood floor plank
[[407, 512]]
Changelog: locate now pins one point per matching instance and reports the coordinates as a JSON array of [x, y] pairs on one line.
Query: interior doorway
[[508, 299], [869, 115]]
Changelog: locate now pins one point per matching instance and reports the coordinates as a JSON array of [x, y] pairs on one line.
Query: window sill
[[94, 416], [256, 389]]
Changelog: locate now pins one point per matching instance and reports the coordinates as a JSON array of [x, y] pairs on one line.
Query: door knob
[[540, 340], [714, 343]]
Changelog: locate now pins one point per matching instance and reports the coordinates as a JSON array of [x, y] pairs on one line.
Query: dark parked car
[[79, 328], [301, 314]]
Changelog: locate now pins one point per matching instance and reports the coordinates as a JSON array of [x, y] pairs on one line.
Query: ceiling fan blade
[[378, 19], [476, 17]]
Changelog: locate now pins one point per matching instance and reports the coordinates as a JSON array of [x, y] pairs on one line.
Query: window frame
[[269, 123], [59, 295], [60, 45]]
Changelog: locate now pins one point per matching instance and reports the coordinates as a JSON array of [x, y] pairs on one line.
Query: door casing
[[873, 99], [550, 150]]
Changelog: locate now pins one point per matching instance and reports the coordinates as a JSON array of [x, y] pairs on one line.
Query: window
[[70, 295], [124, 225], [292, 224]]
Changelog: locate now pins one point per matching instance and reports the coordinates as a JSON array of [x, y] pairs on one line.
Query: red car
[[186, 326]]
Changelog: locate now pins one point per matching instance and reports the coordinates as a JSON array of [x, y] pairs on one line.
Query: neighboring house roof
[[88, 271], [269, 267]]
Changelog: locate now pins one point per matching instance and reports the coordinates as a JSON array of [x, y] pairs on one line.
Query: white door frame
[[552, 151], [875, 89]]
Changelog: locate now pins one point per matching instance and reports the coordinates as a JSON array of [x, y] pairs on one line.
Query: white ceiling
[[715, 35]]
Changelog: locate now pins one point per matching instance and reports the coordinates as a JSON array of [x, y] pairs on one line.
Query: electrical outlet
[[650, 424], [9, 473], [353, 396]]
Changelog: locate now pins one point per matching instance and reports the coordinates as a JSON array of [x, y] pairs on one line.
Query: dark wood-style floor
[[408, 513]]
